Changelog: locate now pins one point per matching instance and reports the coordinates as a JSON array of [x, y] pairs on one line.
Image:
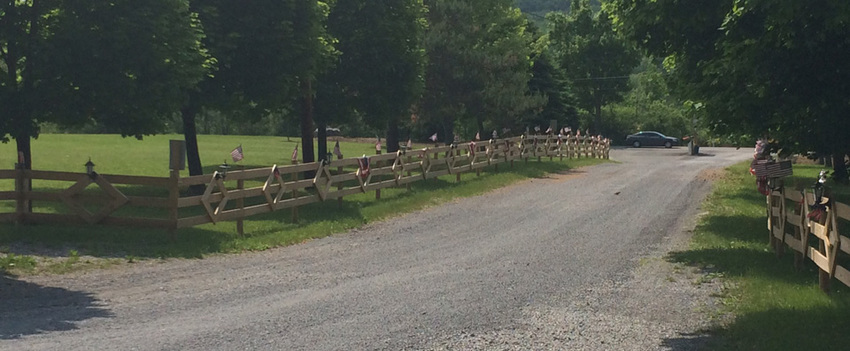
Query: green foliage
[[121, 63], [478, 67], [597, 61], [776, 69], [381, 68]]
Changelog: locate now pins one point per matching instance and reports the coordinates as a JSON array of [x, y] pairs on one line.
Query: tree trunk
[[839, 168], [190, 135], [307, 155], [322, 139], [392, 135]]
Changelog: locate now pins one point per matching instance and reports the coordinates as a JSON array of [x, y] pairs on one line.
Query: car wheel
[[668, 144], [636, 144]]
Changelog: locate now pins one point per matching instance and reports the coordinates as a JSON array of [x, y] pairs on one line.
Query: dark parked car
[[651, 139]]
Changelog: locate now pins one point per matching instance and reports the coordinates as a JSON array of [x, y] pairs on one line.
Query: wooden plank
[[136, 180], [844, 243], [778, 232], [819, 230], [8, 174], [343, 177], [195, 180], [8, 195], [819, 259], [794, 196], [793, 219], [238, 213], [843, 275], [193, 221], [51, 175], [794, 243], [253, 173], [842, 210], [343, 192], [381, 185], [298, 201]]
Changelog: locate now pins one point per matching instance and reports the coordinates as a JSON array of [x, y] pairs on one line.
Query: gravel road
[[573, 261]]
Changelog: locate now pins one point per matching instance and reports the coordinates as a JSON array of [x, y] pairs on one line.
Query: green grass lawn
[[776, 306], [115, 155]]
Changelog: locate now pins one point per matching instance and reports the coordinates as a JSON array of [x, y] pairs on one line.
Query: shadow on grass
[[29, 309], [823, 328]]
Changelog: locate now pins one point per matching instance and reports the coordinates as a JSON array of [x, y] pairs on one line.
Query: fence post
[[240, 202], [457, 153], [294, 194], [173, 199], [339, 187], [377, 191]]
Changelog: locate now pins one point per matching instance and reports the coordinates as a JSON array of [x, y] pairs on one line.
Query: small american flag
[[378, 145], [478, 136], [409, 144], [236, 154], [548, 130], [295, 154], [472, 149], [433, 137]]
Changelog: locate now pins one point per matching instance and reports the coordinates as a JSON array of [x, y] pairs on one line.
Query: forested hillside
[[544, 6]]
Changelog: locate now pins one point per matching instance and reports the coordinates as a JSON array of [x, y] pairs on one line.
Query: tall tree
[[597, 61], [778, 69], [121, 63], [266, 53], [478, 65], [382, 59]]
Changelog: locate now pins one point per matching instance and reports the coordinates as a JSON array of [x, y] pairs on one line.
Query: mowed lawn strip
[[33, 249], [775, 306]]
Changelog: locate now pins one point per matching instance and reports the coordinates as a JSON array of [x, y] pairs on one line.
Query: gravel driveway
[[573, 261]]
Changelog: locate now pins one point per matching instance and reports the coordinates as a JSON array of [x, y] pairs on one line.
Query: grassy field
[[56, 249], [776, 306]]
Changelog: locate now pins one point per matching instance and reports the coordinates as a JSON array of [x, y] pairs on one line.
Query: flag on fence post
[[433, 137], [295, 154], [548, 130], [495, 136], [363, 163], [471, 149], [478, 136], [378, 144], [236, 154], [409, 144], [337, 151]]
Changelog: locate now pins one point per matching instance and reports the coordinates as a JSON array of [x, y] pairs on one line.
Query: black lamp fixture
[[223, 169], [90, 169]]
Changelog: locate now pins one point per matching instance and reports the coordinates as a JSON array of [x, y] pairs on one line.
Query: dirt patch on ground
[[712, 174]]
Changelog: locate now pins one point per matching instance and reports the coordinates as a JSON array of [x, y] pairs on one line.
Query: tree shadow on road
[[28, 309]]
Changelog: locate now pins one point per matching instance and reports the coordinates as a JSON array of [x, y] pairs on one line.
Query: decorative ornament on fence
[[364, 175], [69, 197], [323, 180], [274, 176], [216, 181], [398, 166]]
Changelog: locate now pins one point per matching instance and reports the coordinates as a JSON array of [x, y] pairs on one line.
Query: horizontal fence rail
[[165, 202], [816, 236]]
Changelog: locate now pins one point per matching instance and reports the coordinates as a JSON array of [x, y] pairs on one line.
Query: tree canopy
[[771, 69], [121, 63]]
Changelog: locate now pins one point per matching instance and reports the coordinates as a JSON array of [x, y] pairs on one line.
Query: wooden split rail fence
[[163, 202], [817, 238]]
